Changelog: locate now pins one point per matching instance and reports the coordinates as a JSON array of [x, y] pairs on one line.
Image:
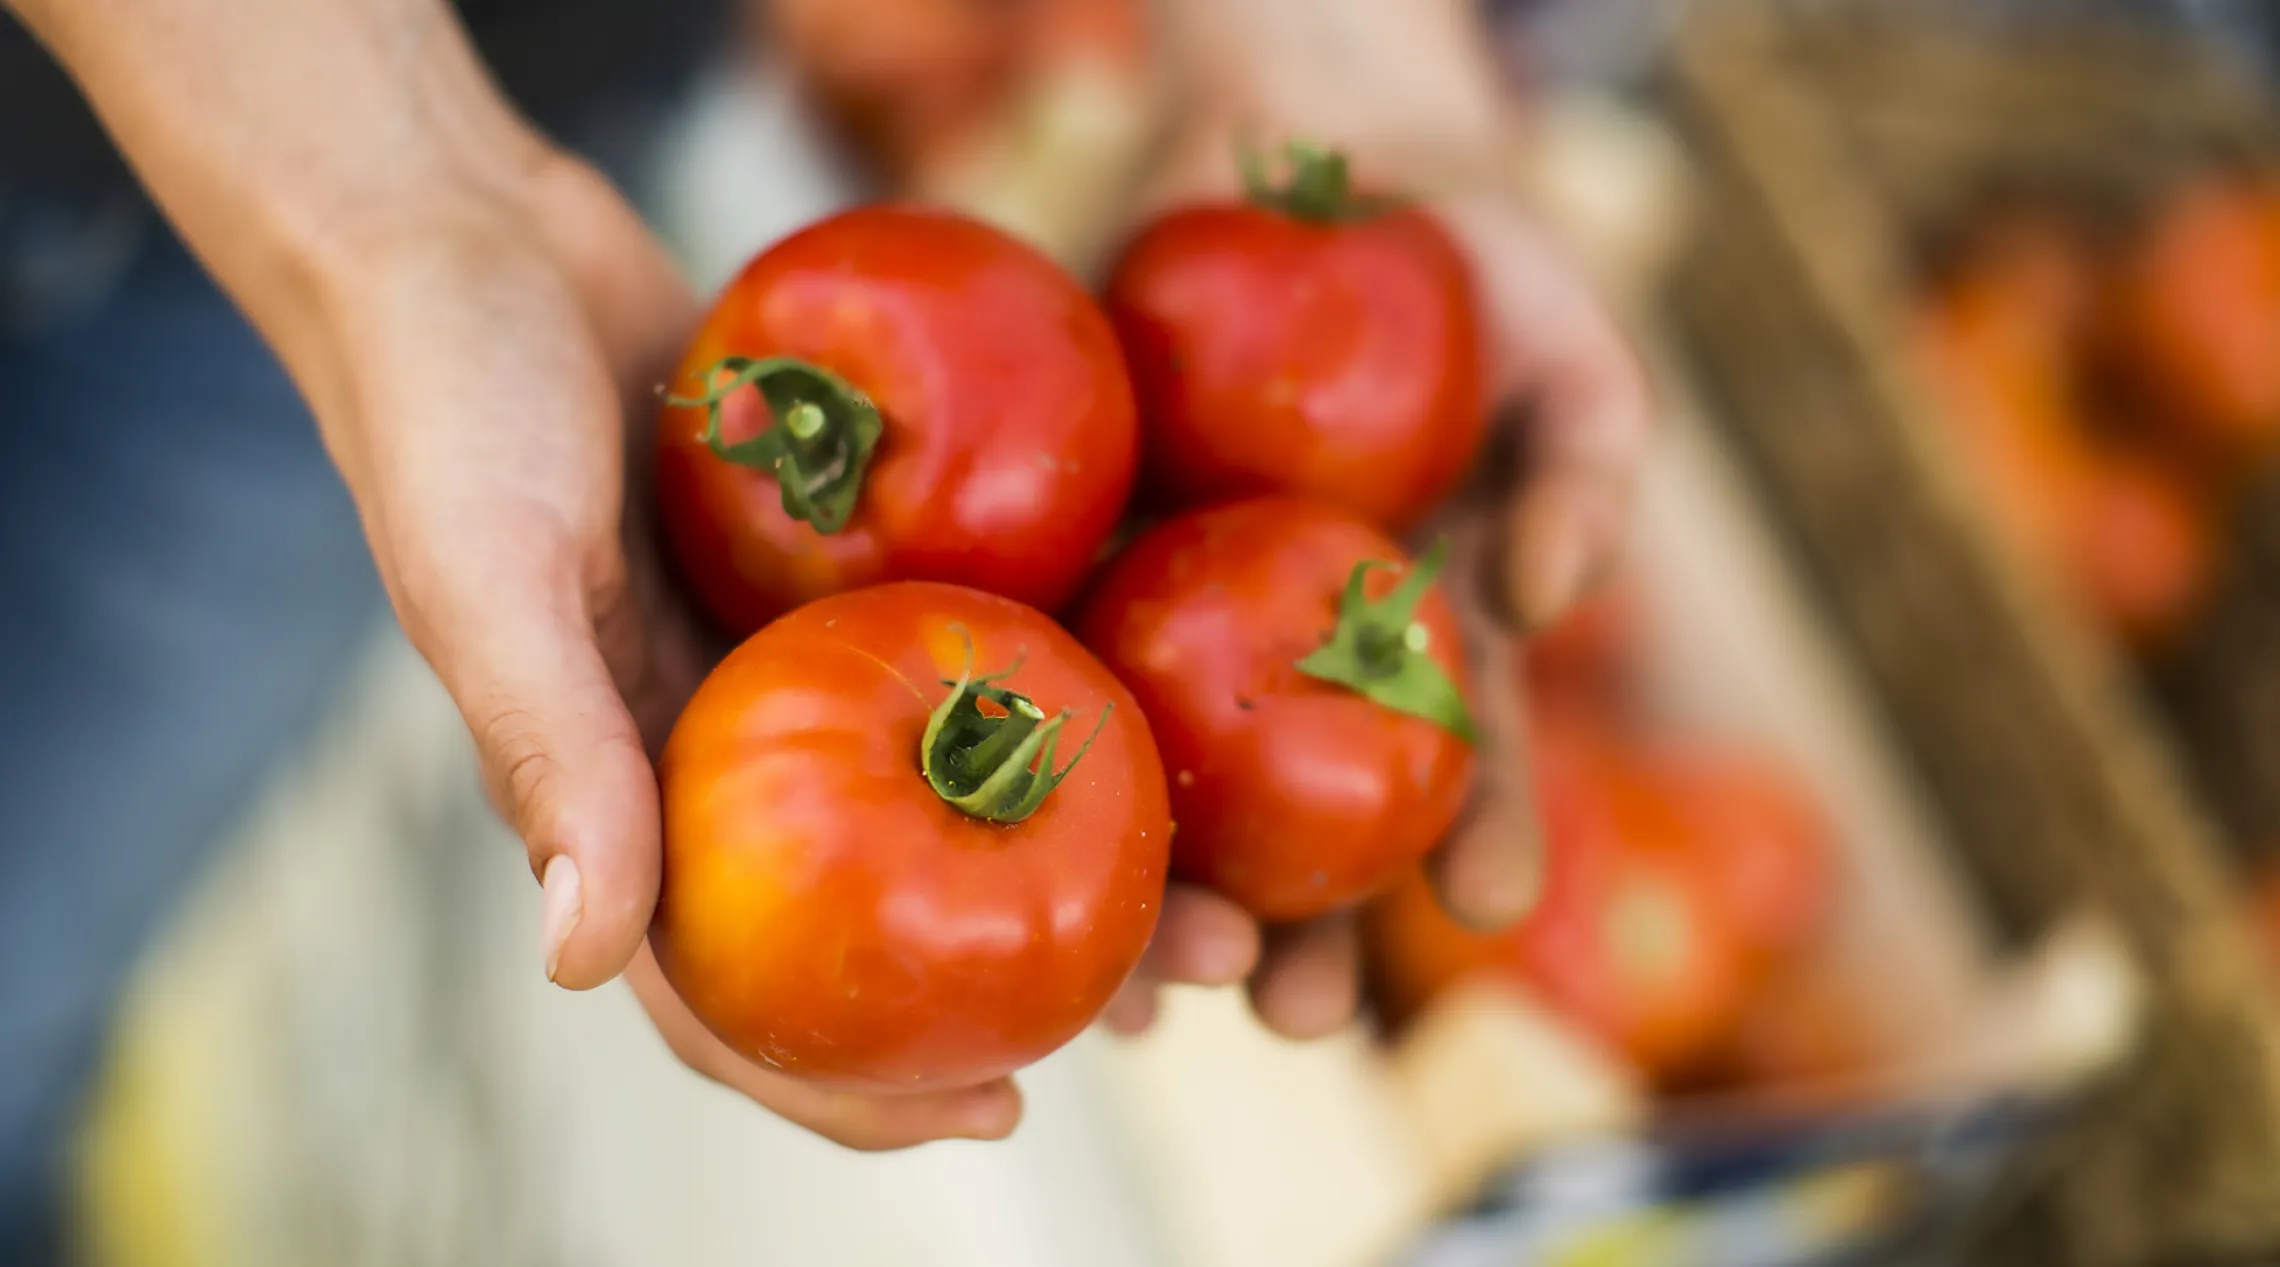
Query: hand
[[1545, 510], [489, 360]]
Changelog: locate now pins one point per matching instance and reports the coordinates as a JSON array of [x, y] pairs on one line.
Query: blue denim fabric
[[182, 583]]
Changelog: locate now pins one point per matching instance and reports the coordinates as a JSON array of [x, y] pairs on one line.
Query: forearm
[[284, 138]]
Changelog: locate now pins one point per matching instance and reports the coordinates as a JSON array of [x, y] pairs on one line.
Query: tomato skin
[[1292, 795], [1628, 940], [828, 915], [1010, 436], [1765, 848], [1341, 361], [2194, 316]]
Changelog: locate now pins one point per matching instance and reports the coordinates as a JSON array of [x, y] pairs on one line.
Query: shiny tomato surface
[[1293, 795], [1009, 440], [829, 915], [1342, 361]]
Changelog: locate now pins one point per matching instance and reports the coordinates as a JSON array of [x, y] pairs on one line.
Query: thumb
[[560, 752]]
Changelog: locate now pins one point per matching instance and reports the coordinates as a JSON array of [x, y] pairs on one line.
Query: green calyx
[[817, 448], [1317, 189], [995, 767], [1380, 650]]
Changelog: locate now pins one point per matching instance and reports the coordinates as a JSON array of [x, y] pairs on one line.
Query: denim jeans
[[182, 581]]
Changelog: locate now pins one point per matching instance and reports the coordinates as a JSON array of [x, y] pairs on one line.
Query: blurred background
[[1912, 794]]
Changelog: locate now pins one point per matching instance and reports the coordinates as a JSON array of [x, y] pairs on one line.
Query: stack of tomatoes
[[917, 829], [917, 833]]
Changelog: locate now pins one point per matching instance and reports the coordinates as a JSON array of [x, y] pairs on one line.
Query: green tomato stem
[[995, 767], [1318, 190], [818, 445], [1381, 651]]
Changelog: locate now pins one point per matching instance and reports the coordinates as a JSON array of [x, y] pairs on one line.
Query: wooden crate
[[1834, 142]]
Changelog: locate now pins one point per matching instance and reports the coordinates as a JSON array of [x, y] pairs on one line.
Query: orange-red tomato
[[1005, 437], [1629, 940], [2144, 549], [1764, 845], [2194, 317], [1998, 369], [1294, 795], [1295, 344], [830, 914]]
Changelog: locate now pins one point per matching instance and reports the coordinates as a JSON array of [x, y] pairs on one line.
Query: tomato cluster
[[2111, 396], [916, 833]]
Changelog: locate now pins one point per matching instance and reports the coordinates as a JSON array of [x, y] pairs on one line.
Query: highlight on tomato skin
[[1295, 792], [870, 879], [1311, 341], [894, 393]]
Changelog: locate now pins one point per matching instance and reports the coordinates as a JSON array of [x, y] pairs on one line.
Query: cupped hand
[[485, 378], [1534, 528]]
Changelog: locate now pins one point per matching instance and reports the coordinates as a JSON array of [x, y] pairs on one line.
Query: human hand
[[490, 416], [1548, 499]]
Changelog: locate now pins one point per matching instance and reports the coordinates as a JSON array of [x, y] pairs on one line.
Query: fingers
[[1202, 939], [1489, 870], [1307, 985], [508, 630], [870, 1123], [1587, 415]]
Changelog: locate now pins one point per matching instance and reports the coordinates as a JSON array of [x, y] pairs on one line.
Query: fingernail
[[564, 903]]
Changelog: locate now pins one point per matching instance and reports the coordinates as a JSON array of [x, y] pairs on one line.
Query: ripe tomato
[[1306, 687], [1628, 939], [935, 401], [1763, 844], [2195, 315], [1305, 342], [830, 913], [2144, 548]]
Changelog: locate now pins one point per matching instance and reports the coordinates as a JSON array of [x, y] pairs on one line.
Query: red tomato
[[1005, 439], [1294, 794], [1628, 940], [2144, 548], [1303, 343], [1763, 844], [2195, 315], [830, 914]]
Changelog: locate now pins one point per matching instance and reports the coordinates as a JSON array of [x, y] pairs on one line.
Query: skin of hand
[[1546, 506], [478, 322]]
